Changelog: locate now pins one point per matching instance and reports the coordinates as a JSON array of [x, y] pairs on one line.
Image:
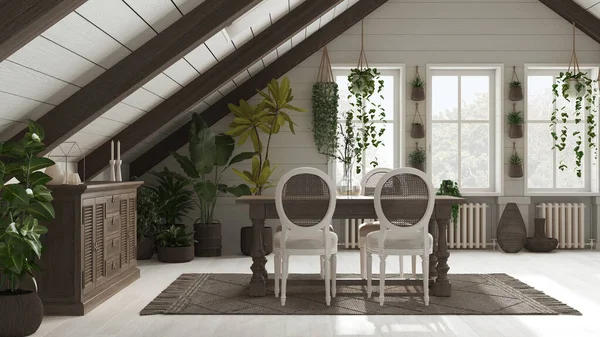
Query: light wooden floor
[[570, 276]]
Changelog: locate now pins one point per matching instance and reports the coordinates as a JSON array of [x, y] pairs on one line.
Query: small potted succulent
[[417, 159], [515, 93], [516, 166], [175, 245], [418, 89], [515, 123], [148, 221]]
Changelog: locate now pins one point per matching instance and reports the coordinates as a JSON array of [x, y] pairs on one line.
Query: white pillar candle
[[118, 150], [112, 150]]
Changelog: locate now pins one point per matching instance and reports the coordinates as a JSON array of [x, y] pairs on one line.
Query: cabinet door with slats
[[132, 223], [123, 210], [87, 240], [99, 215]]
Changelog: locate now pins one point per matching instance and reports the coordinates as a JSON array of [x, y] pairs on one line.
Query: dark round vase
[[145, 249], [540, 243], [21, 313], [511, 232], [246, 240]]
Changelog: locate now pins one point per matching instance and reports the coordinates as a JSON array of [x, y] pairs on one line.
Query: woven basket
[[21, 314], [511, 232]]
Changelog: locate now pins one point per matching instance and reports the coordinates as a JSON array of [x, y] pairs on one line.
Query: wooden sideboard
[[90, 248]]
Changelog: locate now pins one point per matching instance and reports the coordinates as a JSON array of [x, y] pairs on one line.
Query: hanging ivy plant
[[325, 109], [583, 90], [449, 187], [363, 84]]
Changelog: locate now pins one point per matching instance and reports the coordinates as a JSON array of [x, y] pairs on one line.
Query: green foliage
[[417, 157], [515, 84], [515, 159], [148, 215], [174, 196], [450, 188], [23, 206], [418, 83], [210, 155], [267, 117], [515, 118], [325, 120], [585, 100], [362, 85], [175, 237]]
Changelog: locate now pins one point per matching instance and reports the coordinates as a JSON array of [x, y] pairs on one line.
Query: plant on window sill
[[450, 188]]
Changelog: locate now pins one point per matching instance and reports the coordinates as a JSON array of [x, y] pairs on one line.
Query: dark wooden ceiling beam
[[187, 97], [574, 13], [247, 90], [22, 20], [138, 68]]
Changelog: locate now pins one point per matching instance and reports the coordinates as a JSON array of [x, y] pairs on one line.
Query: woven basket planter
[[515, 94], [515, 131], [417, 94], [21, 314], [511, 232], [417, 131], [515, 171]]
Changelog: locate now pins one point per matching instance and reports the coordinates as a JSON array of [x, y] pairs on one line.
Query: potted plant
[[418, 89], [174, 197], [175, 245], [267, 117], [515, 122], [209, 156], [24, 204], [325, 117], [417, 158], [148, 220], [450, 188], [417, 129], [516, 166], [515, 93]]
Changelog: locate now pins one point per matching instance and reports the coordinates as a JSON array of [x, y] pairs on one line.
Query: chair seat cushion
[[397, 243], [367, 228], [304, 242]]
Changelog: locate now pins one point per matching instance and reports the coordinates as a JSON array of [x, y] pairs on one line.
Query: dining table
[[353, 207]]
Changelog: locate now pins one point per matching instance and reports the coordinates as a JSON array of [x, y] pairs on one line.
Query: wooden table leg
[[258, 282], [433, 257], [443, 287]]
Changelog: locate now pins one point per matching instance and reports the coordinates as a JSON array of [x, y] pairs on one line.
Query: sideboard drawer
[[112, 225], [112, 204], [112, 246], [113, 267]]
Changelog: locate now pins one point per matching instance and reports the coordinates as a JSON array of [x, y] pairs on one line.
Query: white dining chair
[[368, 184], [404, 200], [305, 199]]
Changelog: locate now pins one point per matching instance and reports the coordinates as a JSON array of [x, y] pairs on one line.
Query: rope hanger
[[514, 75], [325, 72], [574, 62], [362, 58], [417, 114]]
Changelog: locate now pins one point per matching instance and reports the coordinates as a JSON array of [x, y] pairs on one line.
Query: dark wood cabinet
[[90, 248]]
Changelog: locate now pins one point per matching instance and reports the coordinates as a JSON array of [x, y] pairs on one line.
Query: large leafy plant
[[267, 117], [578, 88], [210, 155], [450, 188], [174, 237], [23, 206], [148, 215], [173, 195], [325, 99], [364, 84]]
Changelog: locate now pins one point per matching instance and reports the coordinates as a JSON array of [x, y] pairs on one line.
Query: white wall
[[417, 33]]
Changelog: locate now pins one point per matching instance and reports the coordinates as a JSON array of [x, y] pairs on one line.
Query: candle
[[112, 150], [118, 150]]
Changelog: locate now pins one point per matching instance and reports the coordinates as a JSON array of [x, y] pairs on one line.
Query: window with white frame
[[464, 134], [388, 153], [542, 162]]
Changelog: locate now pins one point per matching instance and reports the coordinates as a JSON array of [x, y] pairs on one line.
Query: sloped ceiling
[[99, 34], [591, 6]]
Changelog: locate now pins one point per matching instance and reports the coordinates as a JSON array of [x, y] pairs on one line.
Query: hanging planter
[[325, 108], [418, 129], [515, 122], [417, 158], [418, 88], [516, 164], [574, 86], [515, 92]]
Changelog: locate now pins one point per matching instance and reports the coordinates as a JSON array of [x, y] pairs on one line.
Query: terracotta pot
[[209, 239], [515, 131], [175, 254], [515, 171], [21, 313], [417, 94], [145, 249], [515, 94], [417, 131], [246, 240]]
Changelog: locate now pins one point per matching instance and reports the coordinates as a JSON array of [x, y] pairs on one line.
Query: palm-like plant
[[173, 195]]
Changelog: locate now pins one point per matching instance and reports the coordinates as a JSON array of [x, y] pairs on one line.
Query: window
[[387, 154], [464, 132], [542, 162]]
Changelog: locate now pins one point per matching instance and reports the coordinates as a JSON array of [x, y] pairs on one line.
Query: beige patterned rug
[[472, 294]]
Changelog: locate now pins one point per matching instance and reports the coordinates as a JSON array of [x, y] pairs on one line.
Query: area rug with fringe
[[472, 294]]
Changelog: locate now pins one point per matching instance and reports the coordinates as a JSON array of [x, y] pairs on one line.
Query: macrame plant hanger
[[417, 115], [574, 62], [515, 77], [362, 58], [325, 72]]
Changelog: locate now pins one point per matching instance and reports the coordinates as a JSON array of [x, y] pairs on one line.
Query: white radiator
[[351, 232], [469, 232], [565, 221]]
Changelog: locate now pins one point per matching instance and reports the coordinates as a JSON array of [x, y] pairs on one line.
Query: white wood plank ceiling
[[102, 32], [592, 6]]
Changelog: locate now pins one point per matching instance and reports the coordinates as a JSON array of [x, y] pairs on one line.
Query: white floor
[[570, 276]]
